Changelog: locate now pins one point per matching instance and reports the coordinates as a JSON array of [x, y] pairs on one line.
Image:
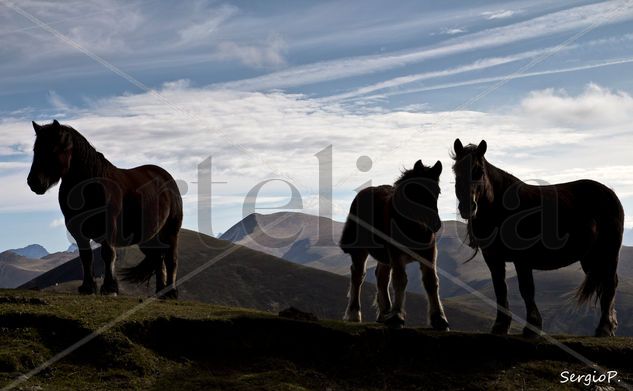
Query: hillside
[[183, 345], [16, 269], [248, 278]]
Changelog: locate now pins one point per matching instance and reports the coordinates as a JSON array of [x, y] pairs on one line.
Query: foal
[[407, 213], [111, 206]]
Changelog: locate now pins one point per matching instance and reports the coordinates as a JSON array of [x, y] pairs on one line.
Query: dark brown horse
[[542, 228], [407, 213], [111, 206]]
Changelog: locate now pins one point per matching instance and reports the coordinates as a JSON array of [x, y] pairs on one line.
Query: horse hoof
[[87, 289], [604, 332], [500, 329], [395, 321], [381, 318], [353, 316], [439, 323], [171, 294], [109, 289]]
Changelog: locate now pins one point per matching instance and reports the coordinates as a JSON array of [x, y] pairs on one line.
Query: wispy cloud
[[493, 79], [270, 53], [408, 79], [556, 22], [501, 14], [200, 32]]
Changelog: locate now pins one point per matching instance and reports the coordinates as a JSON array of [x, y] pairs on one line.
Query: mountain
[[164, 345], [294, 237], [33, 251], [15, 269], [251, 279]]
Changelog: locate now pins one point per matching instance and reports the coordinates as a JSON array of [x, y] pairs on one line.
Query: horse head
[[52, 154], [416, 194], [471, 180]]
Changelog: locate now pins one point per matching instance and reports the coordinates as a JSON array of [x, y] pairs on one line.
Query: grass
[[190, 345]]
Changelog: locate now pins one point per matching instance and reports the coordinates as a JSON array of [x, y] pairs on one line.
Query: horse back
[[369, 206], [553, 226]]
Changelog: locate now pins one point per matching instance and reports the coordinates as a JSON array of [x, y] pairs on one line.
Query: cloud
[[501, 14], [57, 102], [594, 107], [453, 31], [57, 223], [202, 31], [556, 22], [478, 65], [268, 54], [511, 76], [255, 136]]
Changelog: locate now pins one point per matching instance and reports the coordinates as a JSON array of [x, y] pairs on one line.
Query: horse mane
[[407, 175], [90, 160]]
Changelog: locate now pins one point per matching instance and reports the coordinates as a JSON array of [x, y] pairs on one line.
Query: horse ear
[[482, 148], [36, 127], [458, 147], [418, 166], [56, 124], [436, 170]]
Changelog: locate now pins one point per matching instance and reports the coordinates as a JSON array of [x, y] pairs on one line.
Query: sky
[[263, 89]]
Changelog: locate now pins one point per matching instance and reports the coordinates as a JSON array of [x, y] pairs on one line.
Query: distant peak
[[33, 251]]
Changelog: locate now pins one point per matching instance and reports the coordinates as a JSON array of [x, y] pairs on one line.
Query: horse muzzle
[[470, 211], [36, 186]]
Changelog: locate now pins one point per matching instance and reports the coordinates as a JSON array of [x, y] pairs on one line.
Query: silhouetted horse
[[539, 227], [407, 213], [112, 206]]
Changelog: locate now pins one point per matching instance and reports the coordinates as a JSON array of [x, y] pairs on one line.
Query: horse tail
[[590, 286], [142, 272], [602, 279]]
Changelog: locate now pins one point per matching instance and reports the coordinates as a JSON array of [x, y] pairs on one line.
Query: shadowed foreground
[[200, 346]]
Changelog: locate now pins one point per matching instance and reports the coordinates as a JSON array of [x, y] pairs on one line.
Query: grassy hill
[[251, 279], [188, 345]]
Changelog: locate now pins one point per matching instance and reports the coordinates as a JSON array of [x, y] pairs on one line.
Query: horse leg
[[154, 255], [432, 287], [383, 300], [89, 285], [608, 284], [503, 319], [161, 276], [110, 284], [171, 267], [359, 259], [399, 279], [526, 287]]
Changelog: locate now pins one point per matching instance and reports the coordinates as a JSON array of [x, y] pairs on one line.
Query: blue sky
[[262, 87]]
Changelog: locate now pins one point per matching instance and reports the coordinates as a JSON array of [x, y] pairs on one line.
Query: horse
[[406, 213], [539, 228], [111, 206]]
